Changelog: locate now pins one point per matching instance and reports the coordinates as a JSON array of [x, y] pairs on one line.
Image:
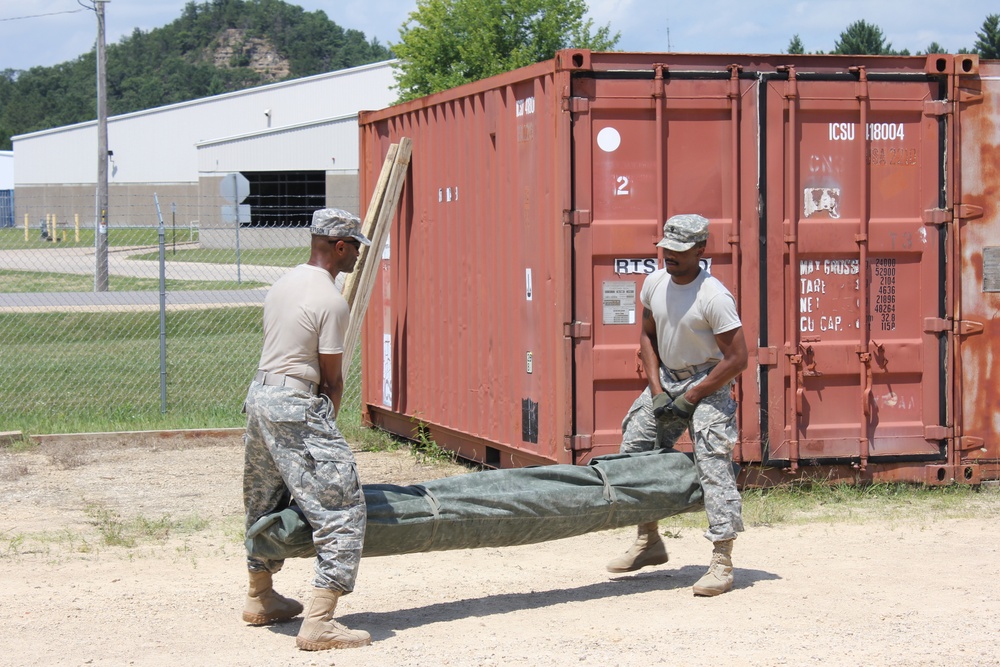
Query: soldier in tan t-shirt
[[692, 348], [294, 450]]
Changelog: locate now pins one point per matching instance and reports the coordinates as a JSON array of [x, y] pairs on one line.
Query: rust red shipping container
[[853, 215]]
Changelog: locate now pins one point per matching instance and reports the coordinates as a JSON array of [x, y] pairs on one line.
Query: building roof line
[[213, 98], [275, 130]]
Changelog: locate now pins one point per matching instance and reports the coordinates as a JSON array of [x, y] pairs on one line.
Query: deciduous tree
[[445, 43]]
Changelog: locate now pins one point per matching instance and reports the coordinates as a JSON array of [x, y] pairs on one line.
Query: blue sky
[[47, 32]]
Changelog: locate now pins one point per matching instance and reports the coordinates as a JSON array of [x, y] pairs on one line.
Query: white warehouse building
[[295, 142], [6, 188]]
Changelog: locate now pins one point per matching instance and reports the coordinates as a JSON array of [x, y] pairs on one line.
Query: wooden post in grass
[[25, 226], [76, 227]]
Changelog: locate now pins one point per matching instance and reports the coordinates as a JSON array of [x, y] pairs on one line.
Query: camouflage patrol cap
[[682, 232], [337, 223]]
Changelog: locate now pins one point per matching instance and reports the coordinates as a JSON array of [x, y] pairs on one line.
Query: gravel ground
[[921, 591]]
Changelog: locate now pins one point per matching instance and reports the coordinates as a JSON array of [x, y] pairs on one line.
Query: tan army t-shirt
[[688, 317], [305, 315]]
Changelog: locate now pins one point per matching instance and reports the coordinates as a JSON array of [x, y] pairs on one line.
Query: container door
[[855, 276], [977, 227], [644, 148]]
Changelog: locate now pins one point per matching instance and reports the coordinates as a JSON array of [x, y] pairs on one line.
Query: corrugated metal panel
[[6, 170], [827, 183], [6, 208], [327, 145], [158, 145], [977, 236], [474, 292]]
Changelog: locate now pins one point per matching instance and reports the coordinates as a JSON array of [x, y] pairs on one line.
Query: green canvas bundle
[[497, 508]]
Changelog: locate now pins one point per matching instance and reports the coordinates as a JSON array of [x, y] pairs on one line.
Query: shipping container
[[853, 216]]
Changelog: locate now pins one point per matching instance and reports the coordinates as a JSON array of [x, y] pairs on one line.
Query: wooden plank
[[368, 224], [369, 271]]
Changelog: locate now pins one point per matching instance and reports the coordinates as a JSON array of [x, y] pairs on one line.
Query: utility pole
[[101, 237]]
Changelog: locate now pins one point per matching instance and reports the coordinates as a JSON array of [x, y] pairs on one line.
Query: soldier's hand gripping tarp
[[498, 508]]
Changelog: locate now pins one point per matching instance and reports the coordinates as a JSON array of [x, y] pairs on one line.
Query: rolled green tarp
[[502, 508]]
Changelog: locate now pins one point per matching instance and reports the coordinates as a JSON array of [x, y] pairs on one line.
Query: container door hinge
[[767, 356], [576, 330], [937, 107], [936, 325], [968, 211], [576, 104], [579, 443], [937, 432], [577, 218], [967, 442], [968, 327], [937, 216], [967, 96]]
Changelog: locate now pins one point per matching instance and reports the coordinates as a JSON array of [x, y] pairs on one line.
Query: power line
[[37, 16]]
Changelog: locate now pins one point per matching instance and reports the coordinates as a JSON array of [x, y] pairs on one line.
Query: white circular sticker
[[609, 140]]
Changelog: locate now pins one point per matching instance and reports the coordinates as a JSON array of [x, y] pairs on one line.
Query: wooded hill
[[214, 47]]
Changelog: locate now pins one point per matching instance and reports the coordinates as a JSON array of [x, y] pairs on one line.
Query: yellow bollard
[[25, 226], [76, 226]]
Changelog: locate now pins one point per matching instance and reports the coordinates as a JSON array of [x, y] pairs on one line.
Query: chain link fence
[[174, 340]]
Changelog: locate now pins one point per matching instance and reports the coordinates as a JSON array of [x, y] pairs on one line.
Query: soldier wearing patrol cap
[[692, 348], [294, 449]]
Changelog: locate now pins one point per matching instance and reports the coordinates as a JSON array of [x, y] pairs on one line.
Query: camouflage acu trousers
[[712, 428], [295, 451]]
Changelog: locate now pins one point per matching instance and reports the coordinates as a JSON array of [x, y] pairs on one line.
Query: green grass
[[100, 372], [118, 532], [13, 238], [889, 503], [255, 256], [86, 372], [31, 281]]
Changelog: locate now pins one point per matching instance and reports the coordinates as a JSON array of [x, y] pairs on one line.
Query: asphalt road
[[81, 261]]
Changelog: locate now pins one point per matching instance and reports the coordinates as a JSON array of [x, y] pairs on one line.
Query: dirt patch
[[918, 592]]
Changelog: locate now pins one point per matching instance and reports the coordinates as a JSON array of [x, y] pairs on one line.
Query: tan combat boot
[[320, 632], [719, 577], [264, 605], [648, 549]]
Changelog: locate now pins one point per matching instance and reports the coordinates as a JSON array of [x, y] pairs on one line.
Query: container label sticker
[[883, 276], [821, 199], [619, 301], [828, 295], [625, 265], [608, 140], [387, 370], [873, 132], [991, 269]]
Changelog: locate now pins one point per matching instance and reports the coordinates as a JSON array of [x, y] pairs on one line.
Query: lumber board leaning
[[369, 270], [352, 280]]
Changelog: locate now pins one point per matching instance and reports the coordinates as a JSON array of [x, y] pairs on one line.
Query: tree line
[[175, 63], [863, 38], [443, 43]]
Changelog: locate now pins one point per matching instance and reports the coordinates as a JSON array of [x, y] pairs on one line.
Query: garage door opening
[[286, 198]]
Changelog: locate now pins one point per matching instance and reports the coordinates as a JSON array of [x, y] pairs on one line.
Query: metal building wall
[[6, 170], [468, 318], [838, 222], [975, 320], [158, 145], [329, 144]]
